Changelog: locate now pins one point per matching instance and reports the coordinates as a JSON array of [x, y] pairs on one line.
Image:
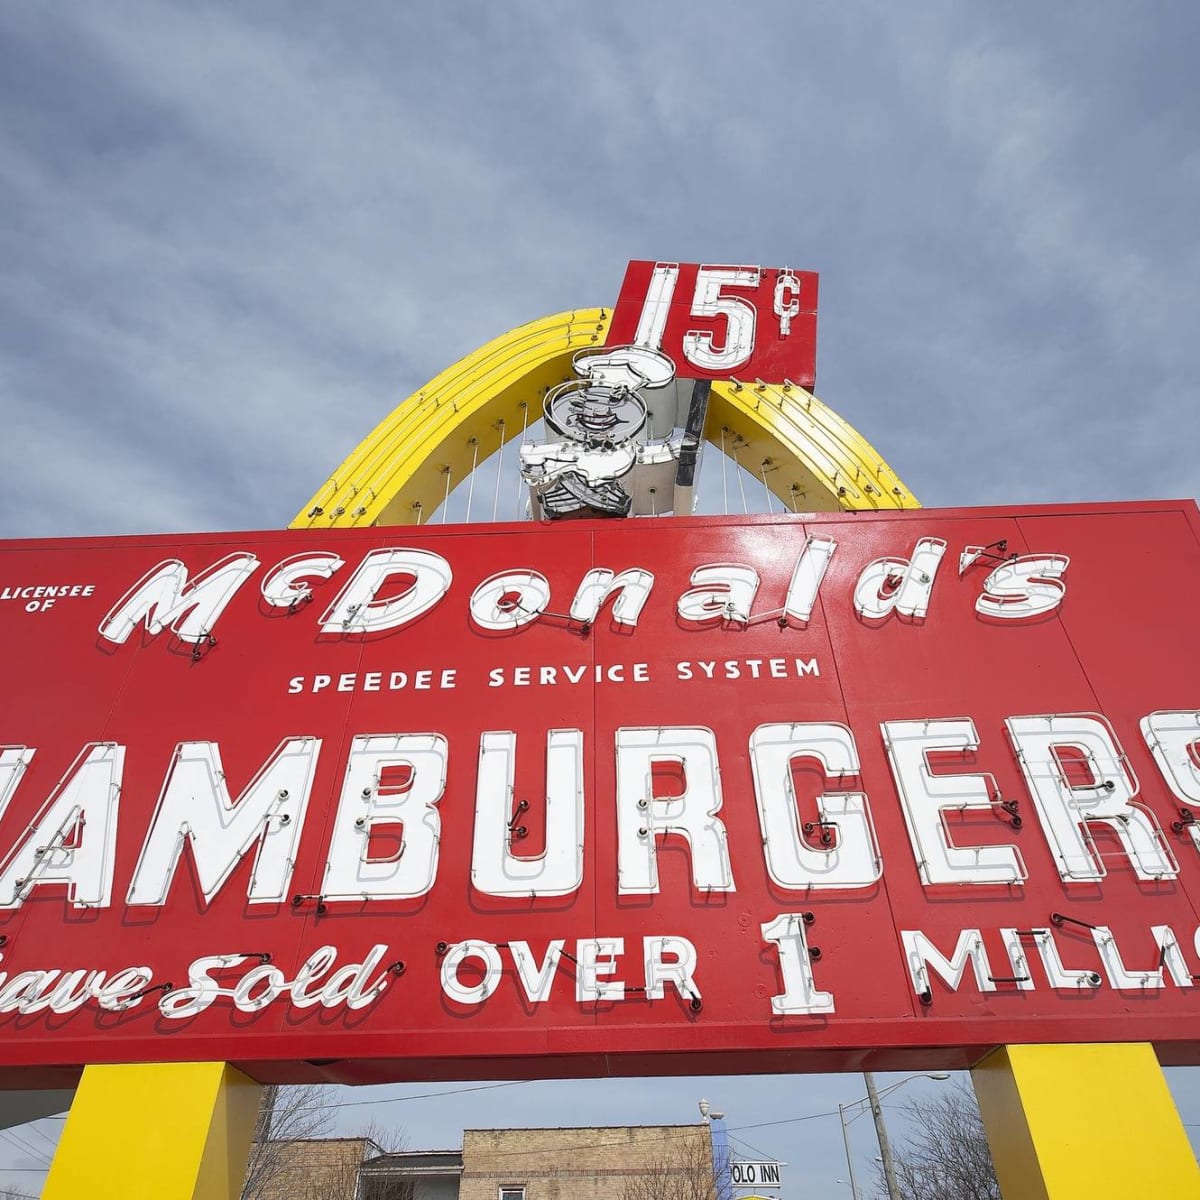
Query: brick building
[[589, 1163], [308, 1169], [637, 1162]]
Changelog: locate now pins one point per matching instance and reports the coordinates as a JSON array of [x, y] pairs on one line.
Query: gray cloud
[[236, 240]]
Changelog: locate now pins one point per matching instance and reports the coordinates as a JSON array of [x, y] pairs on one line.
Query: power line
[[745, 1145], [16, 1140], [482, 1087], [31, 1128]]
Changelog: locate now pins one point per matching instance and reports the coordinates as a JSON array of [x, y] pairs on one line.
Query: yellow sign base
[[1085, 1122], [174, 1131]]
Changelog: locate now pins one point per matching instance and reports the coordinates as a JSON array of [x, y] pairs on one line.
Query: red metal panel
[[780, 348], [1123, 643]]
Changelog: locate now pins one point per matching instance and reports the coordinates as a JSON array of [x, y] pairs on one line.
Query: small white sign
[[755, 1174]]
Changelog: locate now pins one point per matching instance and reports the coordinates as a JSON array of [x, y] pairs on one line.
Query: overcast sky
[[235, 236]]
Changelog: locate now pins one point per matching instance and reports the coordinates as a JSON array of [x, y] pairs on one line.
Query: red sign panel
[[718, 321], [648, 796]]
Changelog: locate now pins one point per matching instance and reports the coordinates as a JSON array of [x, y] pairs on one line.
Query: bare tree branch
[[286, 1114], [293, 1155], [686, 1174], [946, 1157]]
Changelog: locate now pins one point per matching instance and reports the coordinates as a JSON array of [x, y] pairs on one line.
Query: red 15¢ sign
[[717, 321]]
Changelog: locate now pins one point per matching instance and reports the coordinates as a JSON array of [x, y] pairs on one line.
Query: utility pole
[[885, 1149], [849, 1160]]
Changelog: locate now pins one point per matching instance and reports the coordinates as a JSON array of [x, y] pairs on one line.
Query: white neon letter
[[468, 993], [1119, 975], [164, 596], [631, 588], [195, 807], [1024, 587], [558, 870], [720, 592], [357, 611], [536, 978], [926, 798], [739, 314], [284, 586], [73, 838], [656, 308], [1044, 746], [14, 761], [510, 600], [852, 859], [393, 779], [899, 585], [920, 954], [800, 994], [596, 959], [1174, 740], [690, 754], [680, 971], [1058, 976], [807, 576]]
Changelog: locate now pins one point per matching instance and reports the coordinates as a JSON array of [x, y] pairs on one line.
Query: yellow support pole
[[174, 1131], [1085, 1122]]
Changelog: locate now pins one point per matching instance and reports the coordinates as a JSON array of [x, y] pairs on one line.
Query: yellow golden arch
[[1065, 1122], [808, 457]]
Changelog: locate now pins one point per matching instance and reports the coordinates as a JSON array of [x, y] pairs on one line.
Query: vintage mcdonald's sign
[[598, 795]]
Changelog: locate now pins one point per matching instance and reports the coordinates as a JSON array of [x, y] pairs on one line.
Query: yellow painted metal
[[1085, 1122], [398, 474], [174, 1131], [810, 458]]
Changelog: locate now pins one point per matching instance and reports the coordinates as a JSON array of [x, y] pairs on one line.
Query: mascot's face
[[596, 414]]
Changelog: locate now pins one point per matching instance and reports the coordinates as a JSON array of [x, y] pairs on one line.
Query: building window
[[513, 1192]]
